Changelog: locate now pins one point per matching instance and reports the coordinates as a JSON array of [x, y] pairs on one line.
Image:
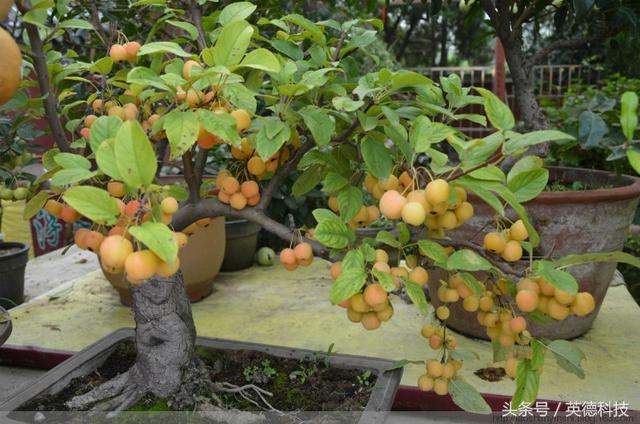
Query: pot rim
[[631, 190], [9, 244]]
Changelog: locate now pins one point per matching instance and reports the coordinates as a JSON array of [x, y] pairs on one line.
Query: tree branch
[[495, 158], [196, 19], [189, 213], [201, 162], [560, 44], [46, 89], [494, 260], [190, 177], [336, 53], [95, 19]]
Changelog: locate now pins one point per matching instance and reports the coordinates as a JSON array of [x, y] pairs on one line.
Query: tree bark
[[165, 338], [444, 56]]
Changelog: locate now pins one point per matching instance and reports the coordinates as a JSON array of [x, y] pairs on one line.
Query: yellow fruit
[[391, 183], [512, 251], [118, 53], [435, 342], [419, 275], [303, 251], [413, 213], [230, 185], [361, 218], [438, 209], [442, 312], [186, 68], [382, 256], [491, 319], [441, 386], [238, 201], [373, 214], [256, 166], [545, 287], [495, 242], [370, 321], [486, 303], [434, 368], [169, 205], [391, 204], [358, 303], [447, 221], [425, 383], [461, 196], [243, 119], [511, 367], [181, 239], [427, 330], [5, 7], [583, 304], [528, 284], [557, 310], [375, 295], [518, 231], [527, 300], [385, 314], [449, 371], [452, 295], [249, 189], [464, 211], [562, 297], [437, 191], [130, 112], [354, 316], [333, 203], [167, 270], [140, 266], [288, 256], [471, 304], [382, 267], [114, 251], [369, 182]]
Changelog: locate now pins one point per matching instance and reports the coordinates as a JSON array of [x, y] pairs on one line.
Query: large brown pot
[[200, 262], [568, 222]]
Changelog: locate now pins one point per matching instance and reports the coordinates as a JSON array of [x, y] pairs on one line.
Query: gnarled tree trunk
[[165, 337]]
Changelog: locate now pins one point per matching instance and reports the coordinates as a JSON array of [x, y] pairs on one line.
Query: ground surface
[[271, 305]]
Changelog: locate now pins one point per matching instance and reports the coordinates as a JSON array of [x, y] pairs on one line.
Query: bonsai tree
[[282, 95]]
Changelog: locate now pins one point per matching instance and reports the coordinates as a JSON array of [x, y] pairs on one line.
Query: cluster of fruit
[[19, 193], [439, 372], [124, 52], [302, 254], [507, 243], [434, 206], [365, 216], [232, 192], [371, 306], [539, 294], [126, 112], [62, 211]]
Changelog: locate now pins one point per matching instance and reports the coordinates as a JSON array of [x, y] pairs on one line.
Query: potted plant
[[377, 153]]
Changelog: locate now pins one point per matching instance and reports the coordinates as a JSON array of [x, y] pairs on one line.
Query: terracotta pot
[[200, 262], [568, 222]]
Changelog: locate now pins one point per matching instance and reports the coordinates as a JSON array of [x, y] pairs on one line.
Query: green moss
[[150, 404]]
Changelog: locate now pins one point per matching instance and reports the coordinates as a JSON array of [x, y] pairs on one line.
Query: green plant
[[375, 143], [259, 374]]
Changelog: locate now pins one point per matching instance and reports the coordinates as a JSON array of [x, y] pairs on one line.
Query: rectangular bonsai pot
[[89, 359]]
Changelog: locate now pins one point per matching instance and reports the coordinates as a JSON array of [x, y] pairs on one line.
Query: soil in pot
[[296, 385], [13, 261]]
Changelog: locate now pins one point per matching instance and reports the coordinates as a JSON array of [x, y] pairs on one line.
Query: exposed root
[[245, 390], [108, 390]]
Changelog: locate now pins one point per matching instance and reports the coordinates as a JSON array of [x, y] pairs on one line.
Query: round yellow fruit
[[437, 191], [413, 213], [10, 71], [391, 204]]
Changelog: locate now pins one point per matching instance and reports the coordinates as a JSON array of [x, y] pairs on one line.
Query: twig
[[336, 53], [497, 157], [563, 44], [190, 177], [196, 19]]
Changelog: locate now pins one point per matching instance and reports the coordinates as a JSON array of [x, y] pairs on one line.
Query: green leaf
[[271, 136], [70, 176], [158, 238], [346, 103], [510, 198], [528, 185], [106, 159], [591, 128], [559, 279], [499, 351], [488, 173], [385, 237], [93, 203], [425, 133], [377, 157], [525, 164], [385, 279], [634, 159], [417, 296], [163, 47], [433, 250], [629, 114], [488, 197], [333, 182], [473, 284], [182, 131], [349, 202], [135, 156], [146, 77], [48, 158], [236, 12], [334, 233], [309, 179], [310, 28], [521, 142], [468, 398], [347, 284], [527, 384], [188, 27], [75, 23], [404, 235], [220, 124], [568, 356], [71, 161], [467, 260], [463, 355], [261, 59], [404, 79], [288, 48], [232, 43], [498, 113], [103, 128], [34, 205], [319, 122]]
